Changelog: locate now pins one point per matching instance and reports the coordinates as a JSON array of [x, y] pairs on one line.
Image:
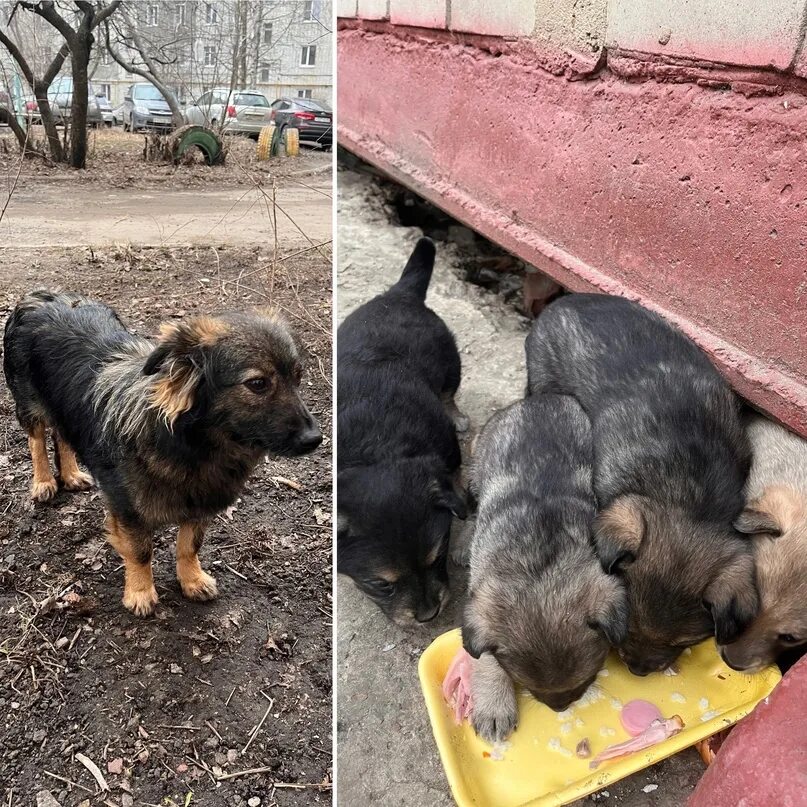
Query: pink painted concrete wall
[[690, 198]]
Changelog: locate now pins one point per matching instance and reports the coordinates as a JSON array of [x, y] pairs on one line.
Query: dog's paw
[[141, 602], [44, 491], [78, 481], [494, 721], [201, 586]]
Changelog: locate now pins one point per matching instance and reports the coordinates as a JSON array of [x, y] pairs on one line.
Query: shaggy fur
[[671, 460], [170, 431], [539, 602], [776, 515], [398, 370]]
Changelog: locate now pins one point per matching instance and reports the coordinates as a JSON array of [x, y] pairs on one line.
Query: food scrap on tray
[[656, 732], [457, 685]]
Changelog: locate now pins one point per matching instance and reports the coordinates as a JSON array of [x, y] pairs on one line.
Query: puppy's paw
[[494, 721], [44, 491], [200, 586], [78, 481], [141, 602]]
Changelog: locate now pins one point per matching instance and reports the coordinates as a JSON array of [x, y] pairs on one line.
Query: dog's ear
[[773, 513], [446, 496], [618, 533], [732, 599], [180, 359], [611, 612]]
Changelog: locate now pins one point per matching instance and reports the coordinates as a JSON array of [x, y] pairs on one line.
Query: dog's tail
[[418, 270]]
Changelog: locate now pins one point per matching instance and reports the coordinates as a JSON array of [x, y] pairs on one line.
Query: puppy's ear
[[773, 513], [732, 599], [446, 496], [180, 358], [618, 533], [611, 612]]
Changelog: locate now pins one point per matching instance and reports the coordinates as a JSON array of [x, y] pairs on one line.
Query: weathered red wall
[[690, 199]]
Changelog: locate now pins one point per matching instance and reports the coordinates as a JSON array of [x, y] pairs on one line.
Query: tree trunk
[[46, 114]]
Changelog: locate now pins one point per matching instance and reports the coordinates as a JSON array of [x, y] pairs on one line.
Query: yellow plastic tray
[[540, 766]]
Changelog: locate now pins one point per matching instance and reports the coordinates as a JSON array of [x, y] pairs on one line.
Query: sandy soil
[[386, 750], [165, 706], [119, 198]]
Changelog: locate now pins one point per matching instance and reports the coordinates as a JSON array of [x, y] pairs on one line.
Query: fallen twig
[[94, 770], [258, 727]]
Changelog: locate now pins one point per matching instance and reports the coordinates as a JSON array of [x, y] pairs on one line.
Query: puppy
[[540, 612], [397, 448], [671, 460], [776, 514], [170, 432]]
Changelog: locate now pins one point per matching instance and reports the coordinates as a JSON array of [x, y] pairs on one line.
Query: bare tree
[[148, 58], [79, 41]]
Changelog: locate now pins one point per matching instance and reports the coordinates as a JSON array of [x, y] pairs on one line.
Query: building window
[[308, 56], [151, 17], [105, 57], [312, 9], [267, 33], [211, 14], [106, 89], [180, 13], [303, 93], [210, 55]]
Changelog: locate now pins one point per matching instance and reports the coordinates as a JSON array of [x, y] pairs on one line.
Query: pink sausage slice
[[637, 715]]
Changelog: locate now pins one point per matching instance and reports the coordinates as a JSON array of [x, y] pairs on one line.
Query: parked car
[[105, 107], [60, 96], [145, 107], [117, 114], [30, 109], [313, 119], [239, 112]]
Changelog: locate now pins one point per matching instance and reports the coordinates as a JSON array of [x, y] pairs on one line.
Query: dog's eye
[[256, 385], [788, 638], [381, 586]]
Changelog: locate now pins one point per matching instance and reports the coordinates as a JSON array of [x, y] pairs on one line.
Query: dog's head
[[686, 580], [392, 535], [778, 522], [237, 375], [549, 629]]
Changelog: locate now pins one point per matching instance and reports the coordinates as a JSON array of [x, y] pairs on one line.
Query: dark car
[[312, 118], [144, 107]]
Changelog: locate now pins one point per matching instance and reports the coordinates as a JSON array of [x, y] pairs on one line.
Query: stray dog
[[170, 432], [541, 612], [671, 460], [397, 448], [776, 515]]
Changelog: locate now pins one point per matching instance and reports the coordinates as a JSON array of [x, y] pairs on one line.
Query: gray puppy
[[776, 515], [541, 612], [671, 461]]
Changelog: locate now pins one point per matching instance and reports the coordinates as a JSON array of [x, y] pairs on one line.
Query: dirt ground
[[165, 707], [386, 750], [119, 198]]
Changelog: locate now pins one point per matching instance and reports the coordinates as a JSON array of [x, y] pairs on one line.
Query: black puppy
[[169, 431], [397, 449], [671, 460]]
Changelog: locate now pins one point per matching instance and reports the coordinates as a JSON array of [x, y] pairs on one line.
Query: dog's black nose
[[308, 439]]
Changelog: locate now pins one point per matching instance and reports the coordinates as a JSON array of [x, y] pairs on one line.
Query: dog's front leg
[[135, 546], [196, 583], [73, 478], [44, 486], [494, 710]]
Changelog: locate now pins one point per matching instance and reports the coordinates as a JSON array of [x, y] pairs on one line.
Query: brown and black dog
[[170, 432], [776, 517]]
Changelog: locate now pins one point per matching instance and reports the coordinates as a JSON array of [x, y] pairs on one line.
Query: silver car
[[145, 108], [239, 112]]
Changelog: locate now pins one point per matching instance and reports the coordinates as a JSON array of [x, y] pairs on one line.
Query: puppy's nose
[[426, 615], [733, 664], [308, 439]]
